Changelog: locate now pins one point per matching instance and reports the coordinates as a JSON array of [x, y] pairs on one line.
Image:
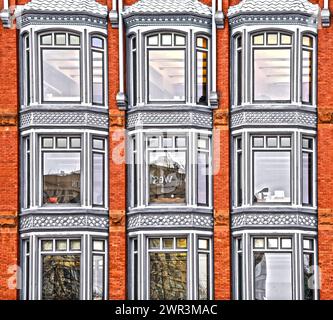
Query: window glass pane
[[258, 39], [153, 41], [307, 77], [239, 42], [239, 173], [307, 165], [167, 172], [239, 77], [285, 39], [259, 243], [179, 40], [46, 40], [98, 278], [203, 179], [258, 142], [168, 243], [272, 72], [202, 43], [272, 142], [61, 142], [133, 43], [286, 243], [308, 244], [47, 245], [98, 144], [60, 39], [202, 77], [166, 39], [62, 178], [203, 244], [272, 177], [307, 143], [285, 142], [47, 143], [273, 243], [307, 41], [272, 276], [203, 276], [97, 43], [154, 243], [61, 277], [74, 40], [168, 276], [61, 245], [153, 142], [166, 74], [203, 144], [75, 245], [181, 243], [167, 142], [134, 77], [98, 77], [309, 284], [180, 142], [272, 38], [98, 245], [75, 142], [98, 179], [61, 75]]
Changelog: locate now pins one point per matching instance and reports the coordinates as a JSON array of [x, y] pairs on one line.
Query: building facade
[[166, 150]]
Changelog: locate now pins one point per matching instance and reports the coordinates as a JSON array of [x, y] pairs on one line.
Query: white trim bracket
[[325, 15]]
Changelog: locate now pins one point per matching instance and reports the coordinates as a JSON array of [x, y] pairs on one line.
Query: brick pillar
[[325, 157], [9, 164]]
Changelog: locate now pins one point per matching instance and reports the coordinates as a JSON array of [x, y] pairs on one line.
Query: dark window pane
[[203, 179], [167, 172], [98, 278], [98, 179], [62, 178], [272, 276], [272, 70], [168, 276], [135, 278], [61, 75], [134, 80], [166, 75], [307, 77], [240, 275], [61, 277], [98, 77], [307, 178], [203, 276], [309, 285], [272, 177], [202, 77]]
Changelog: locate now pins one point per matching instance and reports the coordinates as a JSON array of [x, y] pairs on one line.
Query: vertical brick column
[[325, 157], [117, 178], [222, 259], [9, 164]]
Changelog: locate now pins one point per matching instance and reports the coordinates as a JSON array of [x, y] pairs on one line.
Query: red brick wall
[[8, 160], [325, 157]]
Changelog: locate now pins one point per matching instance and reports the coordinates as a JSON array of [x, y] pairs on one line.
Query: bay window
[[161, 173], [272, 67], [61, 67], [265, 166]]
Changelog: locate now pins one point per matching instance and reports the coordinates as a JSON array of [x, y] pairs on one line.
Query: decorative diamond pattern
[[273, 6], [168, 6]]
